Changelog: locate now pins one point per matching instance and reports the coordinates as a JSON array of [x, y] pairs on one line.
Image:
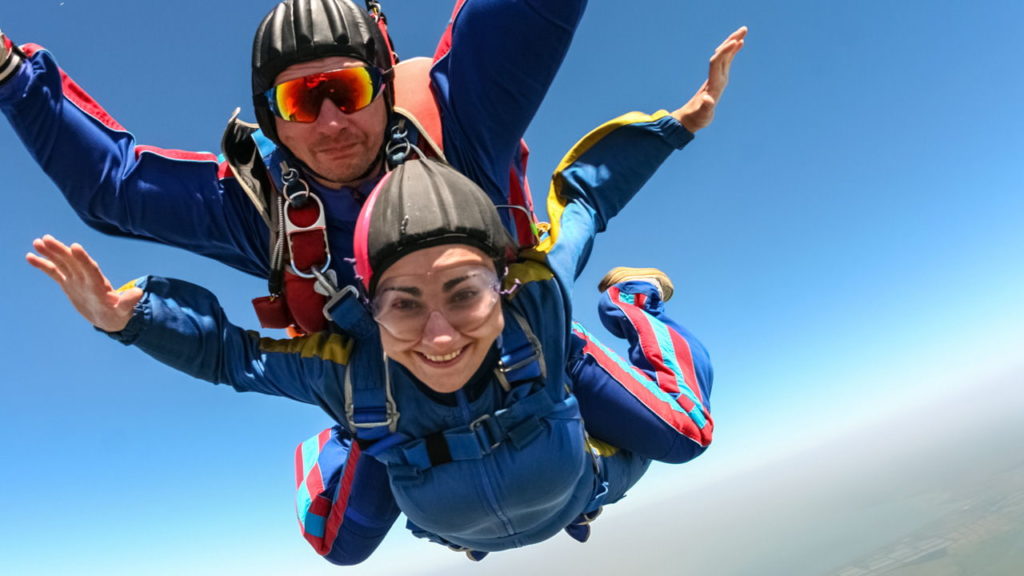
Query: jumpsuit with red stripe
[[655, 404]]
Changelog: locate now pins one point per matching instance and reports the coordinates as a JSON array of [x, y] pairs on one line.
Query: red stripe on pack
[[337, 514], [315, 480], [224, 171], [320, 506], [300, 466]]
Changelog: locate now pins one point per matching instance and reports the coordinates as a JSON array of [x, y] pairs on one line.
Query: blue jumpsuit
[[123, 188], [504, 486]]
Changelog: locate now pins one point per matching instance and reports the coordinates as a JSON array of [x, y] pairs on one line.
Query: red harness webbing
[[299, 307]]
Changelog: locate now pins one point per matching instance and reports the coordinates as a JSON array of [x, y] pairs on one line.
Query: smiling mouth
[[443, 358], [336, 150]]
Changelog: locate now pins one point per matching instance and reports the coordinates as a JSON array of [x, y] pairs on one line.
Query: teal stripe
[[665, 344], [698, 416], [315, 526], [640, 377], [668, 353], [310, 454], [303, 501]]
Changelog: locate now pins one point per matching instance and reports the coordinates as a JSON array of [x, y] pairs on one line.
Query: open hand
[[84, 283], [700, 110]]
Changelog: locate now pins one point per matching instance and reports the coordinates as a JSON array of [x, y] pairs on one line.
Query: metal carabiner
[[291, 179], [291, 228]]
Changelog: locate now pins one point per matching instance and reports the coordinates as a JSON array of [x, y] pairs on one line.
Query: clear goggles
[[464, 296]]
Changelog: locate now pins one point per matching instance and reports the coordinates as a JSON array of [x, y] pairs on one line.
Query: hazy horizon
[[814, 513]]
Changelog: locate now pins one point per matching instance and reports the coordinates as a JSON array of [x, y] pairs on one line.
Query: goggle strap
[[377, 13]]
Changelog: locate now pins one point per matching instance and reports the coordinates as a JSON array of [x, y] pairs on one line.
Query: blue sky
[[846, 239]]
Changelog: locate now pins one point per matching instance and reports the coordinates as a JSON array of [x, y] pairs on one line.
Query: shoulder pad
[[244, 158]]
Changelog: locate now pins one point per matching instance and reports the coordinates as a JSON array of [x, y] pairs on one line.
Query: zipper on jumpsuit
[[487, 475]]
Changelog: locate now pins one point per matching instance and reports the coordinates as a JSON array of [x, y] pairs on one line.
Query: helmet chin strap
[[376, 165]]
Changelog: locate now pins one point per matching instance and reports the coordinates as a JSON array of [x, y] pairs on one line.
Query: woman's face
[[439, 313]]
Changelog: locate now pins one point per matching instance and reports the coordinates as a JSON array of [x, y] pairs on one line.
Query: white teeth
[[445, 357]]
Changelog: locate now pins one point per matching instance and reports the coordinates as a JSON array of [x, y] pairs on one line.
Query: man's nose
[[330, 115]]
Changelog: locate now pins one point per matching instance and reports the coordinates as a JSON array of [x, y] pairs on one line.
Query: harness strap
[[377, 13], [370, 410], [297, 292], [415, 102], [522, 359], [301, 281], [518, 424], [520, 196]]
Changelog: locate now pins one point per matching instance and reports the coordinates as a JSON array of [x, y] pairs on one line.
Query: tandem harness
[[300, 282], [372, 417]]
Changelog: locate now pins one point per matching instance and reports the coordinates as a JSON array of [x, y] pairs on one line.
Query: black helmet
[[297, 31], [425, 203]]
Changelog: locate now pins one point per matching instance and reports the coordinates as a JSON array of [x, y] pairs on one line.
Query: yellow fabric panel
[[601, 448], [555, 202], [331, 347], [530, 269], [129, 285]]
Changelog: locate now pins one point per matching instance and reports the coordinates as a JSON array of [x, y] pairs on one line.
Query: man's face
[[339, 147]]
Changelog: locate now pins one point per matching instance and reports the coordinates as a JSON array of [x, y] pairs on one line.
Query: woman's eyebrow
[[413, 290], [447, 286], [410, 290]]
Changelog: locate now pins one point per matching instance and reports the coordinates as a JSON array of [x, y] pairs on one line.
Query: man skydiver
[[122, 188]]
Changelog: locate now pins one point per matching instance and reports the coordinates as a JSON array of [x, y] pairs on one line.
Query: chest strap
[[522, 358], [300, 276], [370, 411], [518, 424]]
